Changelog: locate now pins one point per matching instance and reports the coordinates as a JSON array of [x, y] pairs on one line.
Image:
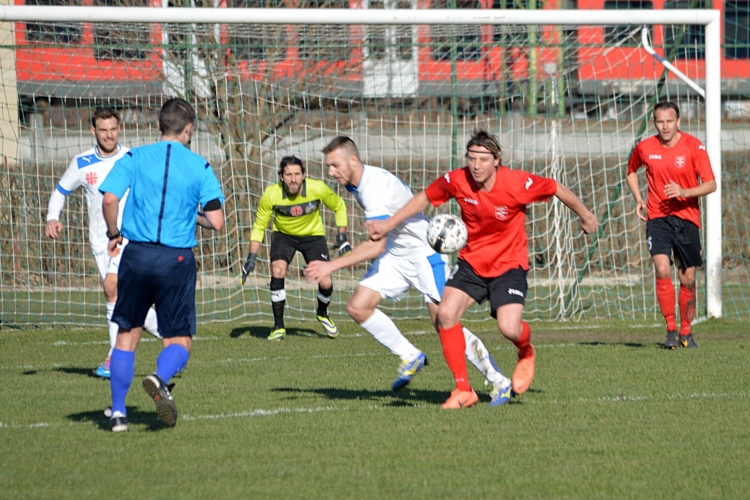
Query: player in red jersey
[[675, 163], [495, 260]]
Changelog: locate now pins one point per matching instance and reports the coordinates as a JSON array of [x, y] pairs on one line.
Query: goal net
[[568, 99]]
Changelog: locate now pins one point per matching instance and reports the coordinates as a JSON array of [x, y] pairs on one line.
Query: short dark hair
[[342, 142], [290, 160], [175, 115], [665, 105], [484, 139], [104, 114]]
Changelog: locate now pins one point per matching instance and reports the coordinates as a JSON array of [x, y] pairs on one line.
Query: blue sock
[[121, 369], [172, 359]]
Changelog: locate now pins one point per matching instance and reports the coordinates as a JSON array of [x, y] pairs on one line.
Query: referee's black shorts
[[508, 288], [159, 275], [283, 247], [667, 235]]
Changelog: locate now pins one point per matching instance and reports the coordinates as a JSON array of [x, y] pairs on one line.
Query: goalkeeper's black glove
[[249, 266], [342, 243]]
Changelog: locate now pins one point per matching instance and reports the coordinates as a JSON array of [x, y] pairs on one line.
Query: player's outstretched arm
[[589, 222], [635, 188], [319, 269], [378, 229]]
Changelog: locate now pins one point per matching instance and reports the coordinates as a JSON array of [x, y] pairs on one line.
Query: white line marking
[[262, 413], [269, 413], [251, 360], [101, 342], [506, 347]]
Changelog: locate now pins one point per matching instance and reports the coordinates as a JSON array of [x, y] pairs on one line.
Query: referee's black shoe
[[119, 423], [166, 409], [671, 341]]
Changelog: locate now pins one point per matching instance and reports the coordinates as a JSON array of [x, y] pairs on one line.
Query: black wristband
[[113, 236]]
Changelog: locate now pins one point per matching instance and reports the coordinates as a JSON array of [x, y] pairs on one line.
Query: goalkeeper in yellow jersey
[[295, 204]]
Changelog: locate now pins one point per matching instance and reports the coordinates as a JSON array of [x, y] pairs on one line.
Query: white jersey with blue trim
[[88, 170], [381, 194]]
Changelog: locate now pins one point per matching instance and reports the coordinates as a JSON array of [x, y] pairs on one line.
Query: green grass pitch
[[610, 415]]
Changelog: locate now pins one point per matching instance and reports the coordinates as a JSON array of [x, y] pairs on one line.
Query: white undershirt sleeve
[[56, 204]]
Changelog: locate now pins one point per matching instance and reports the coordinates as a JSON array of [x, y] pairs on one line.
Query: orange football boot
[[524, 372], [460, 399]]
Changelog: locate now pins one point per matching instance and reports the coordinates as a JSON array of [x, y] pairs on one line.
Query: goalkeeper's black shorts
[[284, 246], [159, 275]]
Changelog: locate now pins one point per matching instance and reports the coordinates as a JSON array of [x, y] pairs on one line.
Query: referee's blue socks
[[172, 359], [121, 368]]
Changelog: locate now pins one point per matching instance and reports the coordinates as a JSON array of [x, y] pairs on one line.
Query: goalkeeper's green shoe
[[329, 326], [277, 334]]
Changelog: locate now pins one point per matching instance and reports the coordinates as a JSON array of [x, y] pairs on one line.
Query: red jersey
[[684, 164], [495, 220]]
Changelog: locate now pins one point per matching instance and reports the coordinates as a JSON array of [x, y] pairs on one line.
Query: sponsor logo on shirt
[[447, 177], [513, 291], [86, 158], [501, 212], [91, 178], [296, 211], [654, 157], [702, 147], [529, 182], [469, 200], [679, 161]]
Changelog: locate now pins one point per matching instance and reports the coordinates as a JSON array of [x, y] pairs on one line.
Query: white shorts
[[393, 276], [108, 265]]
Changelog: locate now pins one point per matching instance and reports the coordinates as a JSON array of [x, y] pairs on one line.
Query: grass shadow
[[394, 399], [405, 397], [262, 332], [89, 372], [634, 345], [135, 416]]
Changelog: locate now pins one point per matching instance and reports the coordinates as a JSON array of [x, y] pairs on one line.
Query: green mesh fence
[[566, 101]]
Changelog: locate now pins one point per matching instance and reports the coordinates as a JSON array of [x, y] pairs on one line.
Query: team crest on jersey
[[501, 213], [296, 211], [91, 178], [679, 161]]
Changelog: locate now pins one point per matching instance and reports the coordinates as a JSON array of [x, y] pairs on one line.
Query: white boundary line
[[508, 347], [318, 409]]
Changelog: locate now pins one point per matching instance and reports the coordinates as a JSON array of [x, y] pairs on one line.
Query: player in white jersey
[[404, 260], [88, 170]]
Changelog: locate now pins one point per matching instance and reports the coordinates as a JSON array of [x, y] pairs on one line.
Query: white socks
[[387, 333], [113, 328], [479, 356], [150, 324]]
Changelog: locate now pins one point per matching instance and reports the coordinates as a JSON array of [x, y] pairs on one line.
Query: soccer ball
[[446, 233]]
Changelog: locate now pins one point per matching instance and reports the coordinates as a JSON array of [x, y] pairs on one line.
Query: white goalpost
[[407, 84]]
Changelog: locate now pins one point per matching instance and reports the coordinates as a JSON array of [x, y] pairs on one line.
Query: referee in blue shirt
[[167, 183]]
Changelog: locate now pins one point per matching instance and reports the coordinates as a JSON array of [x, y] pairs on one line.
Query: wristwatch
[[113, 236]]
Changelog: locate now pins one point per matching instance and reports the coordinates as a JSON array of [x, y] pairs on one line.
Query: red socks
[[665, 296], [454, 347], [687, 309], [525, 338]]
